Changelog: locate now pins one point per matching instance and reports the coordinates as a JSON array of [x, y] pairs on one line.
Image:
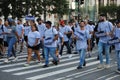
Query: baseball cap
[[62, 22]]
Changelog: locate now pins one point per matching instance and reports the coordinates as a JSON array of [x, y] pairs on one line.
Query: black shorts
[[37, 47], [26, 38], [5, 44], [1, 41]]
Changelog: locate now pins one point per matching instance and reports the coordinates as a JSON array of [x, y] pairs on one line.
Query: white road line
[[32, 66], [105, 76], [63, 78], [110, 78], [59, 71], [21, 63], [90, 72], [72, 75], [52, 67]]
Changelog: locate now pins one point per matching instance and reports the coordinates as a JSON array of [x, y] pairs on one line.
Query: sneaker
[[107, 66], [70, 56], [75, 53], [84, 64], [6, 61], [79, 67], [118, 71], [26, 64], [15, 59], [45, 66], [60, 56], [55, 62], [39, 63], [100, 66]]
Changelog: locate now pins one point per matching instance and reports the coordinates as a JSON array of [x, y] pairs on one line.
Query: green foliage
[[111, 10], [20, 8]]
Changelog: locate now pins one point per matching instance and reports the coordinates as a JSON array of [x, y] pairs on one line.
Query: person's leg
[[13, 52], [62, 46], [38, 54], [46, 53], [42, 47], [52, 53], [29, 55], [82, 57], [11, 43], [107, 48], [68, 47], [21, 45], [100, 50]]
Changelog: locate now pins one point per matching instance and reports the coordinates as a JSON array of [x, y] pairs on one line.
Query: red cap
[[62, 22]]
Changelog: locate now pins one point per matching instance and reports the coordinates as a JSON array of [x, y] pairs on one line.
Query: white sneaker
[[70, 56], [6, 61], [107, 66], [100, 66], [60, 56], [26, 64], [15, 59]]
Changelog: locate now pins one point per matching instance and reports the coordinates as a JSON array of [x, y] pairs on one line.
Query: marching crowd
[[51, 39]]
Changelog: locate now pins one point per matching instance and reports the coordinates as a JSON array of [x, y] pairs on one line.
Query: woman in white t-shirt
[[33, 43]]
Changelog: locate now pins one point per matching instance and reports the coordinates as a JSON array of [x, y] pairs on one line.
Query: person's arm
[[89, 44], [17, 36], [22, 32], [36, 41], [56, 37]]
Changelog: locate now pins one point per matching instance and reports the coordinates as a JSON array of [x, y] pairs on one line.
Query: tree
[[60, 7], [20, 8], [112, 10]]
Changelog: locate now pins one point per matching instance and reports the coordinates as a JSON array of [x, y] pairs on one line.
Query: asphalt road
[[65, 70]]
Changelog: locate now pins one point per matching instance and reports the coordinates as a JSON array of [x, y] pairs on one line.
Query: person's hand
[[65, 33], [89, 47], [76, 38]]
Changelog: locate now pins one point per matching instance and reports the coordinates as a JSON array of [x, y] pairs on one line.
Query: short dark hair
[[38, 19], [118, 21], [103, 15], [48, 22]]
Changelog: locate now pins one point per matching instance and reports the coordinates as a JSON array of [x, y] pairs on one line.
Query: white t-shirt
[[41, 29], [32, 36], [19, 29], [27, 29], [49, 36], [63, 30]]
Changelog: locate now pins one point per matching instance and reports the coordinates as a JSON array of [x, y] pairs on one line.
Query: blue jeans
[[51, 51], [82, 56], [11, 41], [118, 58], [100, 50]]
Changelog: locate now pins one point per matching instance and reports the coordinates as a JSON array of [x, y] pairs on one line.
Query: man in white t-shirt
[[20, 30], [65, 30], [50, 43], [41, 28]]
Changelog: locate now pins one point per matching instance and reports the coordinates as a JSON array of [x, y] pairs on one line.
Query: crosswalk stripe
[[72, 75], [52, 67], [90, 72], [59, 71], [105, 76], [21, 63], [32, 66], [110, 78]]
